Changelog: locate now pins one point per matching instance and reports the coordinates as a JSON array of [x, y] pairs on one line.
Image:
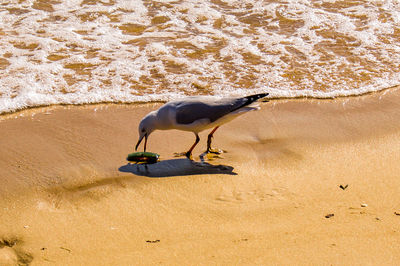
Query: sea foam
[[80, 51]]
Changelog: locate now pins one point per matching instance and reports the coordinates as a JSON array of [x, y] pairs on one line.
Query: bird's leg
[[209, 149], [188, 154]]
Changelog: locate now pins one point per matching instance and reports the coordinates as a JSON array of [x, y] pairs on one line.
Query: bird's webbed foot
[[184, 154], [211, 154], [214, 151]]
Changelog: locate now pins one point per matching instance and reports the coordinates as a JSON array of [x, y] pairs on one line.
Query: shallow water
[[85, 51]]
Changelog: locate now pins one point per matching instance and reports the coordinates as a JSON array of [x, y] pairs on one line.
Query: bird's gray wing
[[196, 108], [188, 112]]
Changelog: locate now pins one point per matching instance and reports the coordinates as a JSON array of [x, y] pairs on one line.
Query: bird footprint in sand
[[11, 252]]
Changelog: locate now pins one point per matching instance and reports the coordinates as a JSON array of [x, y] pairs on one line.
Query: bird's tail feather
[[251, 99]]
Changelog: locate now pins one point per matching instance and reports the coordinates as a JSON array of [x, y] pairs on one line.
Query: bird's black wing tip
[[262, 95], [255, 97], [250, 99]]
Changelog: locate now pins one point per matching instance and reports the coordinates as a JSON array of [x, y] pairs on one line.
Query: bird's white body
[[196, 114], [167, 114]]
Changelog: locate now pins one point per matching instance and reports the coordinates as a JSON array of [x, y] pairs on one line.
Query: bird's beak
[[140, 140]]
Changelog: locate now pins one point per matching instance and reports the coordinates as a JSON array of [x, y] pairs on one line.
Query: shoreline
[[18, 112], [69, 197]]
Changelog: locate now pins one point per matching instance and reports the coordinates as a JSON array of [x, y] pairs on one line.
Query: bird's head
[[146, 126]]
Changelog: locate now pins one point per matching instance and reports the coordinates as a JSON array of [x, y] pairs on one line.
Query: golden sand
[[68, 197]]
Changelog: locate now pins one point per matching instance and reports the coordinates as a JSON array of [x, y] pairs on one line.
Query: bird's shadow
[[176, 167]]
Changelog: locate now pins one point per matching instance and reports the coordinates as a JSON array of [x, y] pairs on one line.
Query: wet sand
[[68, 197]]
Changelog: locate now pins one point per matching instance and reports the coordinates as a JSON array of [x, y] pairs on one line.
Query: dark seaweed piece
[[153, 241]]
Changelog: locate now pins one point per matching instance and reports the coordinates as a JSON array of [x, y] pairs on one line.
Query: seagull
[[195, 114]]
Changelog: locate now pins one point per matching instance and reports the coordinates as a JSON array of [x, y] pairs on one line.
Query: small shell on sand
[[364, 205]]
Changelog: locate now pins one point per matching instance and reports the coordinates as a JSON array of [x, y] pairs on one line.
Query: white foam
[[95, 53]]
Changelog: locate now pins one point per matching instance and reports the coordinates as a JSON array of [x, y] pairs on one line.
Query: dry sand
[[68, 197]]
